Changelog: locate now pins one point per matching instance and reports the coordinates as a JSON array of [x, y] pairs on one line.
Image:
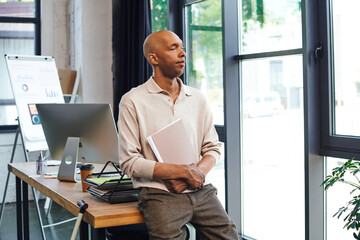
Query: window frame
[[232, 70], [36, 20], [332, 145], [176, 23], [219, 128]]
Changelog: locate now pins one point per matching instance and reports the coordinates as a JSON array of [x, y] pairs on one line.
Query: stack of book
[[112, 187]]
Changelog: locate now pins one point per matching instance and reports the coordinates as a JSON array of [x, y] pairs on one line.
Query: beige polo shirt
[[148, 108]]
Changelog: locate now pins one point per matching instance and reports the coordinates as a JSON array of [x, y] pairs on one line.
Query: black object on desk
[[113, 187]]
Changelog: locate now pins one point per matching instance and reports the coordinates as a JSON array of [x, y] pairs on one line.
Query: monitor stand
[[67, 169]]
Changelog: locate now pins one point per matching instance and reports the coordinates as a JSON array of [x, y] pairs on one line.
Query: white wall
[[55, 31], [93, 48], [78, 34]]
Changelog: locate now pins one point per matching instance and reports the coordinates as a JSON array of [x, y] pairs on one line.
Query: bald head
[[155, 41]]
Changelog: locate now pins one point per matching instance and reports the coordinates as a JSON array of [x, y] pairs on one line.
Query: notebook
[[171, 144]]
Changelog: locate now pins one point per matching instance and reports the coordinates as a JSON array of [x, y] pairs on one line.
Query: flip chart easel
[[34, 79]]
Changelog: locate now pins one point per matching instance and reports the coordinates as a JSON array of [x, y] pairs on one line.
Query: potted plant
[[352, 208]]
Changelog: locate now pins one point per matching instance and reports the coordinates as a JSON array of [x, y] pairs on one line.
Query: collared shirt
[[148, 108]]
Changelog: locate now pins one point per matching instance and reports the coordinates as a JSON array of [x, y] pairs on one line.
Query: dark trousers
[[167, 213]]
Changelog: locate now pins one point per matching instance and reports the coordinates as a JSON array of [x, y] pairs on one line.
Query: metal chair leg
[[8, 175], [49, 208]]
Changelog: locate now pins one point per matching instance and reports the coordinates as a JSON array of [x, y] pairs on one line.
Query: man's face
[[170, 55]]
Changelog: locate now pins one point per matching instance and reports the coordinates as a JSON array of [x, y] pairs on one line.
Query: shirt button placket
[[171, 104]]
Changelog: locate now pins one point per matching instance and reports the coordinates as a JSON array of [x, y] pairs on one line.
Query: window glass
[[273, 148], [270, 25], [217, 176], [17, 8], [204, 68], [206, 13], [346, 67], [204, 71], [159, 15], [336, 196], [15, 38]]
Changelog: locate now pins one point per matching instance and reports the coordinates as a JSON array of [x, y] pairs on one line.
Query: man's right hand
[[190, 174]]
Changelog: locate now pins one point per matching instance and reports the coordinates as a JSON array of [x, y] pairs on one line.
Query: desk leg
[[25, 210], [18, 209], [84, 230], [97, 233]]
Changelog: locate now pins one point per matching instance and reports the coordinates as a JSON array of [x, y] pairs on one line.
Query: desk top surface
[[99, 214]]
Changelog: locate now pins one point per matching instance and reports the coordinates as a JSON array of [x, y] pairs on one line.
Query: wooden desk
[[99, 214]]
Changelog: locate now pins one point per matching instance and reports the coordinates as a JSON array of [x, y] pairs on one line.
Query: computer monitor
[[91, 125]]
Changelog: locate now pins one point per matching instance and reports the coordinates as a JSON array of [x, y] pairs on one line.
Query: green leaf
[[356, 225], [347, 217], [351, 225], [356, 236], [340, 211], [352, 207]]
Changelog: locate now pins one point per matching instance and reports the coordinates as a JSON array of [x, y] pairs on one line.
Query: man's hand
[[195, 178], [176, 185], [177, 175]]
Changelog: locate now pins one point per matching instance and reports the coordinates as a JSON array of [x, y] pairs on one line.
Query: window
[[290, 96], [336, 197], [19, 34], [203, 43], [271, 103], [159, 15], [204, 53], [340, 76], [345, 67], [264, 117]]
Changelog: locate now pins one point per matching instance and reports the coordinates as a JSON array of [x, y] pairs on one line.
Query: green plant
[[352, 208]]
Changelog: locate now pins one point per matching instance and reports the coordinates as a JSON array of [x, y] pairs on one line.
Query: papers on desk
[[113, 187], [53, 162], [50, 175], [106, 183], [116, 196]]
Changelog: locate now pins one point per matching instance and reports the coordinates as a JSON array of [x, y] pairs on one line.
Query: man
[[171, 195]]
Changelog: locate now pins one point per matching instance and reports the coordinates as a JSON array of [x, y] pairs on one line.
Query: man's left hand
[[176, 185]]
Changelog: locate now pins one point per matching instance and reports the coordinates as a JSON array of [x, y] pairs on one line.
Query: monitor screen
[[92, 123]]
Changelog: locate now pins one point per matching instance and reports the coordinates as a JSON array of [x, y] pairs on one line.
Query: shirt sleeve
[[132, 161], [211, 144]]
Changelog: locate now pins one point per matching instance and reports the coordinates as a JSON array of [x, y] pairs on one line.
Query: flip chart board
[[34, 79]]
